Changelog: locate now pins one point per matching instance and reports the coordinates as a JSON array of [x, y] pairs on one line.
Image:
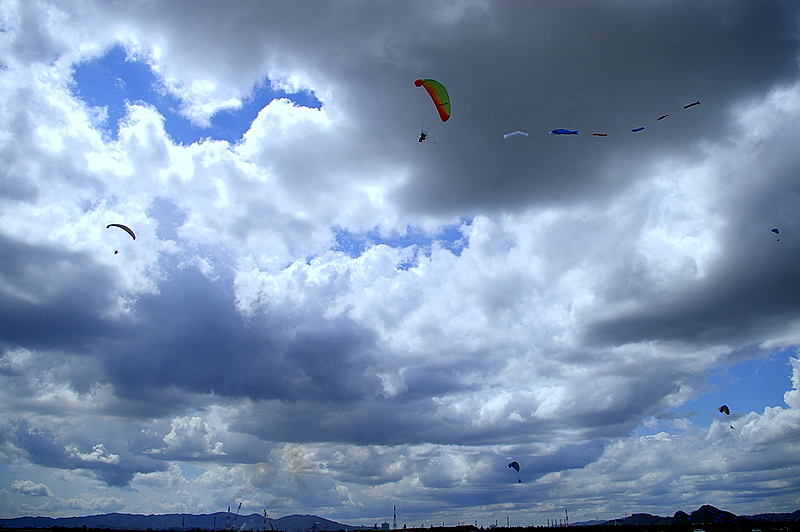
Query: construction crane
[[236, 515]]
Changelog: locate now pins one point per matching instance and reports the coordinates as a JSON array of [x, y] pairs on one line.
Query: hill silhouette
[[706, 514], [707, 517], [216, 521]]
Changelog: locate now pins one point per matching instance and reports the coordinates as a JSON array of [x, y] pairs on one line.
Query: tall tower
[[394, 517], [566, 517]]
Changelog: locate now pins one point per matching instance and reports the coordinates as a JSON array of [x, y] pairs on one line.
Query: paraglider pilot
[[423, 136]]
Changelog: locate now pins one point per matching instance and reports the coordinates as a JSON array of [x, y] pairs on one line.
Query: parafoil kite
[[124, 228], [564, 132], [515, 133], [662, 117], [439, 96], [600, 134], [514, 465], [636, 129], [692, 104]]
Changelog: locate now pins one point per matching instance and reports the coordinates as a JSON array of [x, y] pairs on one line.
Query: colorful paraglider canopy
[[775, 230], [725, 410], [564, 132], [124, 228], [515, 133], [514, 465], [638, 129], [439, 96]]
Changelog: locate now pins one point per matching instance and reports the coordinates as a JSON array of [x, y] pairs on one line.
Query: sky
[[322, 315]]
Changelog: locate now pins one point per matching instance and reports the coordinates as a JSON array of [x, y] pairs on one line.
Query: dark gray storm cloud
[[612, 70], [191, 337], [51, 298]]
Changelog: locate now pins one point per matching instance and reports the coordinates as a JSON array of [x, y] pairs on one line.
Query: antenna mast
[[394, 519]]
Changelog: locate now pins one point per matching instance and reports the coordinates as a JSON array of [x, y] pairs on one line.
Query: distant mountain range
[[706, 514], [311, 523], [217, 521]]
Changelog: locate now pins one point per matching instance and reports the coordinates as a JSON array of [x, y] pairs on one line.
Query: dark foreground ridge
[[706, 519]]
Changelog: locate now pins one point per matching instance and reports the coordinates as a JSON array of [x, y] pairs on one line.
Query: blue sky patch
[[746, 387], [114, 79], [354, 244]]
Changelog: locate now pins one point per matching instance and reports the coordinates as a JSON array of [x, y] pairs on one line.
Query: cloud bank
[[324, 314]]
